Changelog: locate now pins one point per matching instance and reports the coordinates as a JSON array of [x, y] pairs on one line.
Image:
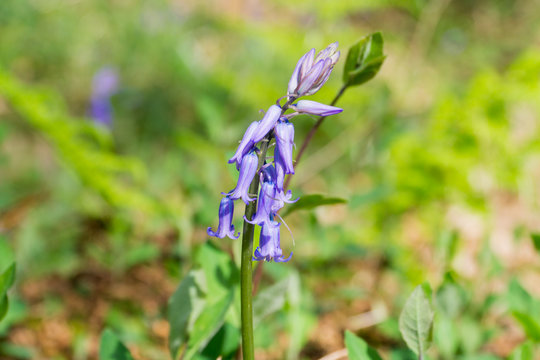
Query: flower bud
[[315, 108]]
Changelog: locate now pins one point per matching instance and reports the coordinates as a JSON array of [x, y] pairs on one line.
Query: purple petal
[[284, 131], [307, 64], [327, 52], [308, 81], [248, 169], [245, 145], [293, 82], [267, 123]]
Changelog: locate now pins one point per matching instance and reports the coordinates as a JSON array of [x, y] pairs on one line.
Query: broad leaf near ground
[[207, 325], [415, 322], [358, 349], [198, 307], [111, 348], [185, 305]]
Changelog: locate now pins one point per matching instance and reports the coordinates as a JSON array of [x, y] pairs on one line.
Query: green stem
[[246, 268]]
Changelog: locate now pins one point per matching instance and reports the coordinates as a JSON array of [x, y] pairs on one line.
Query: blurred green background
[[438, 158]]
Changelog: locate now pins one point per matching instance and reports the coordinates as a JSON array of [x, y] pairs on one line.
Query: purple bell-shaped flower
[[269, 245], [248, 169], [245, 145], [284, 131], [225, 227], [267, 123]]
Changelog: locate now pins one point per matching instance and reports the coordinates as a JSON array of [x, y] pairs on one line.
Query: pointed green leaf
[[415, 321], [530, 325], [207, 325], [111, 348], [185, 305], [7, 278], [364, 60], [308, 202], [197, 308], [358, 349]]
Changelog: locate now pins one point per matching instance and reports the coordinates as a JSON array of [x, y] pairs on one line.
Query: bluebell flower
[[248, 169], [265, 213], [104, 86], [225, 227], [269, 245], [284, 131], [310, 74], [267, 123], [245, 145], [315, 108]]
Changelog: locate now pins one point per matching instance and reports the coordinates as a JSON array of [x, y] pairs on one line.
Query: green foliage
[[358, 349], [416, 320], [198, 307], [535, 237], [111, 348], [85, 148], [364, 60], [7, 278]]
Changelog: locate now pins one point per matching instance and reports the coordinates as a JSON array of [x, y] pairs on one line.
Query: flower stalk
[[308, 77]]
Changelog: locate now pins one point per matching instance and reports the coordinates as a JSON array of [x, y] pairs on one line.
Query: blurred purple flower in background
[[104, 86]]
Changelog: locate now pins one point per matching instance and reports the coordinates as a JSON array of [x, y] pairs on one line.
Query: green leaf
[[111, 348], [220, 272], [197, 308], [535, 237], [529, 325], [207, 325], [445, 336], [415, 321], [270, 300], [520, 300], [224, 343], [4, 305], [450, 298], [523, 352], [6, 281], [309, 202], [364, 60], [358, 349], [185, 305]]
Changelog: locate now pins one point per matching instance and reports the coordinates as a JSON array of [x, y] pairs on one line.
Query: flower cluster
[[309, 76]]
